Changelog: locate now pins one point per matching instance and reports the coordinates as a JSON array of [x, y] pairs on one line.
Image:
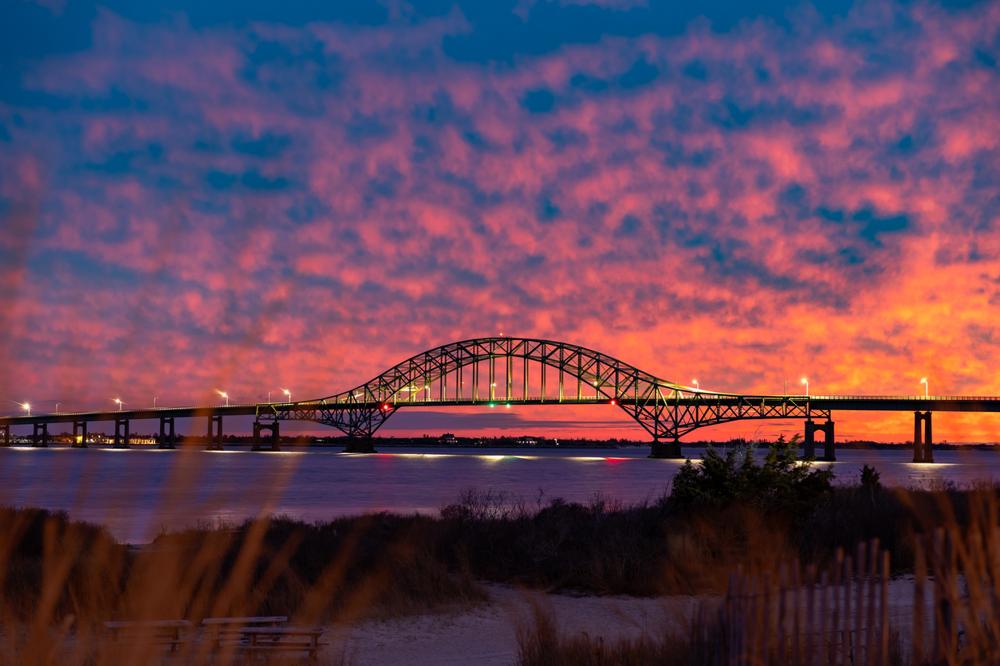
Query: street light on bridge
[[26, 406], [696, 384], [805, 380], [288, 394], [923, 380], [224, 396], [118, 401]]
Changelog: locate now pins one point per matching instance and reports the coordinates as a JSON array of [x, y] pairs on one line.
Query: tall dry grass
[[62, 580]]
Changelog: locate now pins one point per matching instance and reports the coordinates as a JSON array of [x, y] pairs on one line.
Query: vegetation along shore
[[733, 512]]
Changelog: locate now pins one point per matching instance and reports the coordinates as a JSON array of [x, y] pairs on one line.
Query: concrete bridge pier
[[122, 436], [363, 444], [214, 432], [273, 437], [5, 435], [829, 451], [923, 442], [809, 445], [168, 435], [40, 435], [670, 449], [79, 434]]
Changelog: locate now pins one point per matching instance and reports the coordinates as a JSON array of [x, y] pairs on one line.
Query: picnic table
[[250, 621], [264, 640], [228, 630], [251, 635], [159, 632]]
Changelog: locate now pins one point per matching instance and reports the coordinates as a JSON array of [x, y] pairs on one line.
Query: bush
[[870, 478], [779, 484], [52, 567]]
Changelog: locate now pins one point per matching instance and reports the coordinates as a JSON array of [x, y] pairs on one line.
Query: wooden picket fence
[[800, 615], [962, 568]]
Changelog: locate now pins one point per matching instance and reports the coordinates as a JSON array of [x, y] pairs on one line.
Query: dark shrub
[[870, 478], [779, 484]]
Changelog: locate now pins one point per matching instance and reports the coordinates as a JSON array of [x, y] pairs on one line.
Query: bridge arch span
[[532, 371]]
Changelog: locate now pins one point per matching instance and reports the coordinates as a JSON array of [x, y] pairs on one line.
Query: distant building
[[448, 438], [527, 441]]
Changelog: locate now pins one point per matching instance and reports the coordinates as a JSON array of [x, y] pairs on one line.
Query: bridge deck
[[703, 399]]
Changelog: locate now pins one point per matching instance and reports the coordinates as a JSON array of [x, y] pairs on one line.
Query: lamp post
[[224, 396], [923, 380], [805, 380], [288, 394], [118, 401], [26, 406], [696, 384], [154, 402]]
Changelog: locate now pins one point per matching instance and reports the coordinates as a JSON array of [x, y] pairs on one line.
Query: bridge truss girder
[[358, 421], [709, 410], [664, 409]]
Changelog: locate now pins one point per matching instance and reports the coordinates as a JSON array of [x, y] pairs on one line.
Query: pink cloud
[[727, 229]]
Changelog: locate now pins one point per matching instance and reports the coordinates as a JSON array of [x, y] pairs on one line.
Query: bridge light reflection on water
[[494, 457]]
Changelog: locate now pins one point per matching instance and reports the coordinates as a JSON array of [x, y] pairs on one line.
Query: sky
[[249, 195]]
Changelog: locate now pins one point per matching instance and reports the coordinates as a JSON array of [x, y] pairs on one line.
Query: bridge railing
[[901, 397], [417, 399]]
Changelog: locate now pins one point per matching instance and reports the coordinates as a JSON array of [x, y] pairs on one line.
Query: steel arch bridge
[[519, 371], [529, 371]]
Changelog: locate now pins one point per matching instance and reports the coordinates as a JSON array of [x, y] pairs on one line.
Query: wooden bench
[[272, 640], [226, 630], [255, 621], [168, 633]]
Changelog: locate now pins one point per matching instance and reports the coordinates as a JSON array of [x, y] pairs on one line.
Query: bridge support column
[[40, 435], [273, 436], [666, 449], [362, 444], [121, 433], [214, 440], [923, 442], [5, 435], [79, 434], [829, 451], [168, 436], [809, 445]]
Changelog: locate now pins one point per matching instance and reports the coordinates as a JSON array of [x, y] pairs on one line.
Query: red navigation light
[[612, 402], [386, 407]]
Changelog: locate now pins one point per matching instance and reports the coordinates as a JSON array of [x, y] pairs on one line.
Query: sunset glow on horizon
[[805, 199]]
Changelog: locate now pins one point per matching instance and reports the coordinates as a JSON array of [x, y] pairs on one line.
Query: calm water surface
[[137, 493]]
